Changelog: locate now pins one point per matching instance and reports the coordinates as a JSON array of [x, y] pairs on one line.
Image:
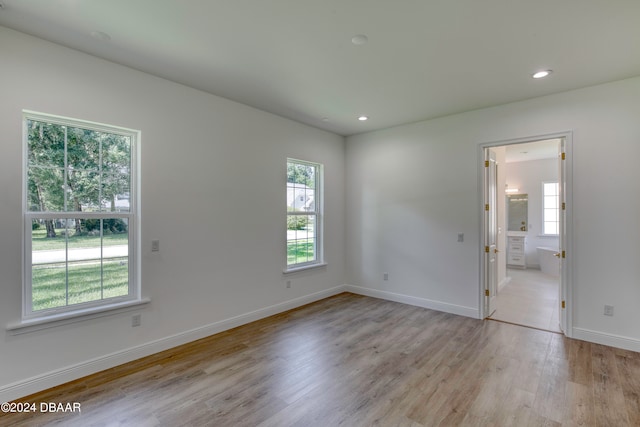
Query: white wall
[[213, 192], [414, 187], [528, 177]]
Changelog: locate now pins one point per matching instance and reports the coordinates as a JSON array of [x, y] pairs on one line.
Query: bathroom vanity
[[515, 251]]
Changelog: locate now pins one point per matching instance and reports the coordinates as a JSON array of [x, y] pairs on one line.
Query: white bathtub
[[549, 262]]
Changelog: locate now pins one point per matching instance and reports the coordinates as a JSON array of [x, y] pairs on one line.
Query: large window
[[550, 208], [304, 214], [79, 215]]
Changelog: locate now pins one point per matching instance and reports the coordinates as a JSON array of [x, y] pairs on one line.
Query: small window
[[304, 215], [550, 208], [79, 215]]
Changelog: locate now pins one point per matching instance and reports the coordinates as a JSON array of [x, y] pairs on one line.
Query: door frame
[[490, 237], [566, 277]]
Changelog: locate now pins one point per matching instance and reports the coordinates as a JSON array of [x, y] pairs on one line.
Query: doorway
[[526, 232]]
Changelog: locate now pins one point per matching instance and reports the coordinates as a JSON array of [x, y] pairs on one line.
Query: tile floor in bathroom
[[530, 298]]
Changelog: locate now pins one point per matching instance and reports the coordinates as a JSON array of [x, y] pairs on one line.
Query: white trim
[[304, 267], [417, 301], [318, 214], [67, 317], [133, 297], [567, 268], [60, 376], [611, 340]]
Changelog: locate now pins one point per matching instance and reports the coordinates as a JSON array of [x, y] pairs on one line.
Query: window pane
[[116, 154], [300, 173], [49, 269], [78, 260], [550, 215], [45, 189], [300, 198], [550, 202], [550, 188], [551, 228], [301, 239], [115, 257], [116, 193], [45, 144], [83, 149], [83, 191]]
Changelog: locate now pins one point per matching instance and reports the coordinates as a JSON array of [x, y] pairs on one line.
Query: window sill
[[304, 267], [39, 323]]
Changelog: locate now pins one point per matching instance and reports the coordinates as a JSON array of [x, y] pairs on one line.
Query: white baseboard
[[60, 376], [606, 339], [417, 301]]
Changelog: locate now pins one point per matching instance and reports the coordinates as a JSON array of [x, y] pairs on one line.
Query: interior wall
[[528, 178], [412, 188], [213, 178]]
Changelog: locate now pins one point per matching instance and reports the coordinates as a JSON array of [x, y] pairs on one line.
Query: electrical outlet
[[155, 246], [136, 320], [288, 283], [385, 276], [608, 310]]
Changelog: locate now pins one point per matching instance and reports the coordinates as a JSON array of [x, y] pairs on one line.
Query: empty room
[[295, 213]]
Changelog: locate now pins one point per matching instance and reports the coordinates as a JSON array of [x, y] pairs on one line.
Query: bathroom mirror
[[517, 208]]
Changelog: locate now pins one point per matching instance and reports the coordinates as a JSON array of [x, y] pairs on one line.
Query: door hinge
[[486, 249], [564, 255], [564, 206], [486, 292], [564, 305], [486, 207], [486, 163], [564, 156]]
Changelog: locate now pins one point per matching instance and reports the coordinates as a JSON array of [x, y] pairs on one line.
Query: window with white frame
[[80, 215], [304, 214], [550, 208]]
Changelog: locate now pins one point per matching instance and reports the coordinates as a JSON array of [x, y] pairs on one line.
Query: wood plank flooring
[[352, 360]]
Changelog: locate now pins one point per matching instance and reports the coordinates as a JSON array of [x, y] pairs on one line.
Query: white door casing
[[491, 231]]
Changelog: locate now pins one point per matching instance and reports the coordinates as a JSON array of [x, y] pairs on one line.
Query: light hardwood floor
[[352, 360], [530, 298]]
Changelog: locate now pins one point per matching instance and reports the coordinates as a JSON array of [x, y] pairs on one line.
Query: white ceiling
[[538, 150], [294, 58]]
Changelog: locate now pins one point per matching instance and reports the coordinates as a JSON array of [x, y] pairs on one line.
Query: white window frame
[[545, 208], [90, 309], [317, 213]]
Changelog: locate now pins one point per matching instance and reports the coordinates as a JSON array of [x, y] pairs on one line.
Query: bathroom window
[[550, 208]]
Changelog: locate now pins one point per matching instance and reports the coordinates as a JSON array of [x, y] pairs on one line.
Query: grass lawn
[[40, 241], [301, 250], [86, 283]]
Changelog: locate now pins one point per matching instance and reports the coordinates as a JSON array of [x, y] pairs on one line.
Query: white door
[[562, 227], [491, 232]]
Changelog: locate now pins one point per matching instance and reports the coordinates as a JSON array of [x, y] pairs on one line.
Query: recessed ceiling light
[[541, 74], [359, 39], [363, 118], [100, 36]]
